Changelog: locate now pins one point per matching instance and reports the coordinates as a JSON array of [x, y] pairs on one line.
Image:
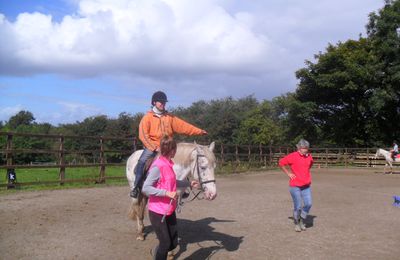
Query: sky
[[66, 60]]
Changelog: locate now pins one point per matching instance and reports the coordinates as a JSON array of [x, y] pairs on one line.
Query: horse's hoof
[[140, 238]]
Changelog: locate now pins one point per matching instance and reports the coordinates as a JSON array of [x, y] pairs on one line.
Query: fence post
[[61, 161], [102, 178], [326, 157], [345, 157], [222, 154], [271, 156], [249, 156], [368, 161], [237, 155], [11, 176]]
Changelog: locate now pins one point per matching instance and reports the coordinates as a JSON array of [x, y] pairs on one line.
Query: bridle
[[200, 179], [197, 167]]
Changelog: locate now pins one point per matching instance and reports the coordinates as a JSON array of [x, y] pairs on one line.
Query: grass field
[[42, 176], [52, 175]]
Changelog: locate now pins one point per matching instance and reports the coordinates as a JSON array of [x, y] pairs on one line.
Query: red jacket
[[300, 166]]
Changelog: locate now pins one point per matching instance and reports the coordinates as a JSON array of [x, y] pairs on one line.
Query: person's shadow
[[200, 231], [308, 222]]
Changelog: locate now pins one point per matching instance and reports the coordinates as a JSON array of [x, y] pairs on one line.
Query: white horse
[[388, 158], [191, 161]]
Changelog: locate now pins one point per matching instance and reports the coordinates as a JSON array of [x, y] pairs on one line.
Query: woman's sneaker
[[302, 225], [297, 228]]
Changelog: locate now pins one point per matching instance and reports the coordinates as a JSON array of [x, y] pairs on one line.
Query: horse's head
[[203, 166]]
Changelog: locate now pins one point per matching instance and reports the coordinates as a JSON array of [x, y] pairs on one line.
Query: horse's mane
[[184, 151]]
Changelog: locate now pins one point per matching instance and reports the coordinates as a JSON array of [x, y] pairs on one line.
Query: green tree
[[259, 127], [294, 120], [384, 32], [125, 125], [21, 118], [336, 94], [221, 117]]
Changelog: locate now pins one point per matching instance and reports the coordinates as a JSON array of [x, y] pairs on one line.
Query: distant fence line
[[250, 156]]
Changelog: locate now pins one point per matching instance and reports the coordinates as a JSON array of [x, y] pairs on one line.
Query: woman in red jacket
[[300, 163]]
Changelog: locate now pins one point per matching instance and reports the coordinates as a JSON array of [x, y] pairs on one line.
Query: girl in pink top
[[299, 175], [160, 186]]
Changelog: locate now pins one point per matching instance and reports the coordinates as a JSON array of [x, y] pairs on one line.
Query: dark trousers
[[140, 166], [167, 233]]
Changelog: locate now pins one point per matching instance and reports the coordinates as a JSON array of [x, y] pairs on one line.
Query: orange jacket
[[152, 128]]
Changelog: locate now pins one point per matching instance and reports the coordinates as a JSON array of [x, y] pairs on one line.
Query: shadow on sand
[[201, 231]]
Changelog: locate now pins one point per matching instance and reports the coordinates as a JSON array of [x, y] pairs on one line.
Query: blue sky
[[67, 60]]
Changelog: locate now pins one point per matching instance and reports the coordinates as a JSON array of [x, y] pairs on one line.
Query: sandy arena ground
[[352, 218]]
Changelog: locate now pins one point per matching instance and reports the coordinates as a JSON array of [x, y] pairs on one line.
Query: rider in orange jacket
[[153, 126]]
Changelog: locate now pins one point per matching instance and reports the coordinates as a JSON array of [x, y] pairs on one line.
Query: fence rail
[[236, 156]]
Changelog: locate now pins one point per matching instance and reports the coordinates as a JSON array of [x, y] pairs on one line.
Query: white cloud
[[208, 48], [70, 112], [147, 37]]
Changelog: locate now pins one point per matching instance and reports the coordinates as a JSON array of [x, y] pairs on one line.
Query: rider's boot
[[135, 192]]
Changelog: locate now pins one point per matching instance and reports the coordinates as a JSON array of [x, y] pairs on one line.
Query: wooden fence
[[267, 156], [236, 156], [59, 153]]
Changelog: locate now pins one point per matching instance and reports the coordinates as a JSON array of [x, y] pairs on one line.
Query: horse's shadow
[[309, 221], [200, 231]]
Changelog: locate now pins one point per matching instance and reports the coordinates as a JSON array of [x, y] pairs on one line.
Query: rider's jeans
[[302, 201], [141, 163]]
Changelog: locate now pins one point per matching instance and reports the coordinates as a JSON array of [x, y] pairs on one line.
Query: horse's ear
[[212, 146]]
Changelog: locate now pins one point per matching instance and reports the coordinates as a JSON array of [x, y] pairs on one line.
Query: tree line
[[347, 96]]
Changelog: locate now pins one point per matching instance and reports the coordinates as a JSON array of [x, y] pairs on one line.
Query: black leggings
[[166, 232]]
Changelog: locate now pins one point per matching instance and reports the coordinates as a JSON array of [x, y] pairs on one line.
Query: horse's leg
[[140, 228], [140, 216], [136, 214]]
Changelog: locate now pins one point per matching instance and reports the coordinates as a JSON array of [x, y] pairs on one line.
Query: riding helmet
[[159, 96]]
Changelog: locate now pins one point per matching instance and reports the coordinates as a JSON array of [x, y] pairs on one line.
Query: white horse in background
[[388, 158], [190, 161]]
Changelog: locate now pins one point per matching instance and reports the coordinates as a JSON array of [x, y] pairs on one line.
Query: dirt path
[[352, 218]]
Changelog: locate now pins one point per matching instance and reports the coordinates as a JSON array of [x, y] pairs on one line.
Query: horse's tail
[[136, 210]]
